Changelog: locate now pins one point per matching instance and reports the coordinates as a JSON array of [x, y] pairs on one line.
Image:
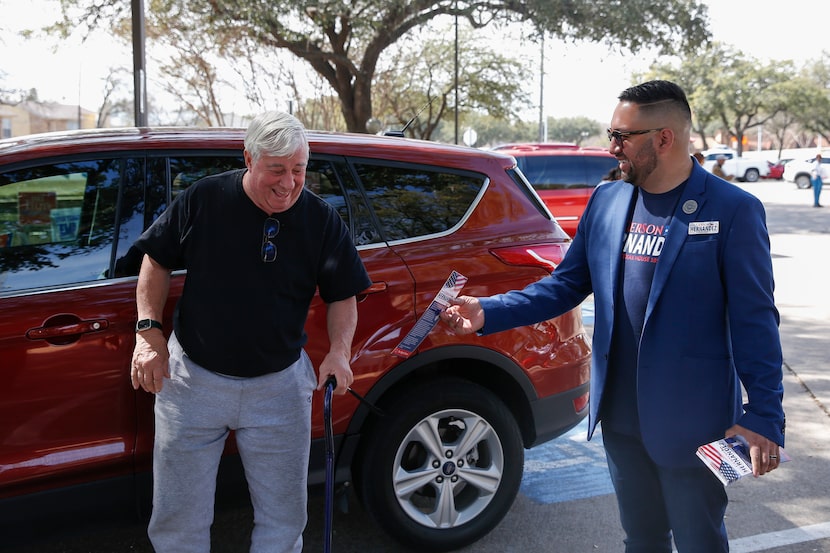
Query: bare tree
[[113, 104]]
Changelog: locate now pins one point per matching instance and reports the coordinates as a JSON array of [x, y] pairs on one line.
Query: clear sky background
[[586, 79], [582, 79]]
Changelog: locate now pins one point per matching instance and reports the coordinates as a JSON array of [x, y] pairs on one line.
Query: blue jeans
[[817, 184], [657, 503]]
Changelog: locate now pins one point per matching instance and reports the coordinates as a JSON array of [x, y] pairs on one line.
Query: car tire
[[444, 465], [752, 175], [803, 181]]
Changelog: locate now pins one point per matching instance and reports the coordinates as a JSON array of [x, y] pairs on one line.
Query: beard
[[641, 166]]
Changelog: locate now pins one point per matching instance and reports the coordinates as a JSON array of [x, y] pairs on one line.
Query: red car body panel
[[776, 171]]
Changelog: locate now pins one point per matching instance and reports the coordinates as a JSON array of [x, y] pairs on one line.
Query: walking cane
[[331, 384]]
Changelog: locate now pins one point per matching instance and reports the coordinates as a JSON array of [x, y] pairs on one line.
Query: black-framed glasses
[[620, 136], [269, 231]]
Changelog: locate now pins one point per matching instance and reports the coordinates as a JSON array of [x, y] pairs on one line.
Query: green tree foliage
[[573, 129], [798, 103], [418, 82], [815, 96], [696, 74], [732, 93], [343, 40], [491, 131], [743, 95]]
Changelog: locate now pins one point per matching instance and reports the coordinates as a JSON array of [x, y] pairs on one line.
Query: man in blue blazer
[[679, 264]]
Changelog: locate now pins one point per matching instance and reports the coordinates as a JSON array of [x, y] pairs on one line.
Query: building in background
[[38, 117]]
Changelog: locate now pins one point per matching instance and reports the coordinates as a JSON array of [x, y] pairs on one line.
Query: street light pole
[[139, 65], [456, 74], [543, 132]]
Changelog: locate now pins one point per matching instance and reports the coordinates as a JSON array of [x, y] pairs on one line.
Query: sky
[[594, 77], [580, 80]]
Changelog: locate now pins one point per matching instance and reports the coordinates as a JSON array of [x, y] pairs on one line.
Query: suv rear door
[[387, 305]]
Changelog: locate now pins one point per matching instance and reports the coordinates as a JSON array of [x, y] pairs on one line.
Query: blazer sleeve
[[754, 319]]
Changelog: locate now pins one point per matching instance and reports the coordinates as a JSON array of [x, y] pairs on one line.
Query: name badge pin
[[704, 227]]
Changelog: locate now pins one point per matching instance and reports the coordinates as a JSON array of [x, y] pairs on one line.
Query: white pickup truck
[[744, 169]]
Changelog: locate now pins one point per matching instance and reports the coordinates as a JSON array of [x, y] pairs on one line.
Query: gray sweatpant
[[194, 413]]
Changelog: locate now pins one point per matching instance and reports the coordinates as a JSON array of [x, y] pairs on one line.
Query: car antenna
[[399, 133]]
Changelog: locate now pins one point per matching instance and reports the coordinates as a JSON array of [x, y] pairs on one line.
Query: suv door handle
[[65, 325], [374, 288]]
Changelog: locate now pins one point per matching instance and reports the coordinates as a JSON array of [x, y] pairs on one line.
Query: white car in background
[[800, 171], [743, 169]]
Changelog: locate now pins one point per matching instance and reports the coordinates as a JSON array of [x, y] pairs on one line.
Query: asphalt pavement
[[573, 510]]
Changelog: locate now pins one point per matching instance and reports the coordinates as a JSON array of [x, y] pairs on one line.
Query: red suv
[[72, 427], [564, 175]]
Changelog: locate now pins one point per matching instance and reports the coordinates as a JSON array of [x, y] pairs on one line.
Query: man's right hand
[[464, 315], [150, 364]]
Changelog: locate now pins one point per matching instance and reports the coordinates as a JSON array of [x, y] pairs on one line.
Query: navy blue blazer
[[711, 325]]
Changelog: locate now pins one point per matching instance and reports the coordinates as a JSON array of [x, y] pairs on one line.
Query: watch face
[[146, 324]]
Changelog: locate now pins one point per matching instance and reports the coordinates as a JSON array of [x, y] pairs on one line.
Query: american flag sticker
[[429, 319]]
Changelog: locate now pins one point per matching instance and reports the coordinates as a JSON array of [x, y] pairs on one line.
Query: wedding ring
[[773, 456]]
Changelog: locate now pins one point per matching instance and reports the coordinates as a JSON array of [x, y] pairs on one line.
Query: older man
[[256, 246]]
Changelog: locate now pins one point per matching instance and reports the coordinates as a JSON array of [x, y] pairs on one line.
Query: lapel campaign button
[[689, 207]]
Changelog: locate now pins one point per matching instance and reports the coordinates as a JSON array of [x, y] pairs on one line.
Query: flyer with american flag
[[429, 319], [728, 459]]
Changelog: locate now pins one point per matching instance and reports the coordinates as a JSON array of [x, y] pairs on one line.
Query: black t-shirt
[[239, 315], [647, 232]]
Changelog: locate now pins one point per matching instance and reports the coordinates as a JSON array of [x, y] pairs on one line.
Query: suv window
[[432, 201], [332, 180], [57, 223], [565, 171], [187, 169], [552, 172], [167, 177], [597, 168]]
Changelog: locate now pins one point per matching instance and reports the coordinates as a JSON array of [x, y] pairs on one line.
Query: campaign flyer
[[728, 459], [429, 319]]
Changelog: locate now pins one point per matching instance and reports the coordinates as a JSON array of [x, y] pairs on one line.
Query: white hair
[[275, 133]]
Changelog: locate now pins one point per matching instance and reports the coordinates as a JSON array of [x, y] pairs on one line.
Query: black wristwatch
[[147, 324]]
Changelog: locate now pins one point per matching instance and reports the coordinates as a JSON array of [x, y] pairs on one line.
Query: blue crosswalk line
[[567, 468]]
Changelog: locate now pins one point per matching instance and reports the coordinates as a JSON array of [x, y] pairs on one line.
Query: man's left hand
[[763, 453], [335, 365]]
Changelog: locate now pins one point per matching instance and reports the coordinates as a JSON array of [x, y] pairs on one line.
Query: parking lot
[[566, 503]]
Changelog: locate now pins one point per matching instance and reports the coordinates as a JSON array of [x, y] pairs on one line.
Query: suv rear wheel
[[443, 467]]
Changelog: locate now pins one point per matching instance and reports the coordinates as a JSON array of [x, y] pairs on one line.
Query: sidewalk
[[800, 243], [791, 503]]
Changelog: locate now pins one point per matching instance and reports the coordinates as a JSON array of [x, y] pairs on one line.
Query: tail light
[[546, 256], [581, 402]]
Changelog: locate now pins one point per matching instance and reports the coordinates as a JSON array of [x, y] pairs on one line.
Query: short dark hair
[[653, 93]]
